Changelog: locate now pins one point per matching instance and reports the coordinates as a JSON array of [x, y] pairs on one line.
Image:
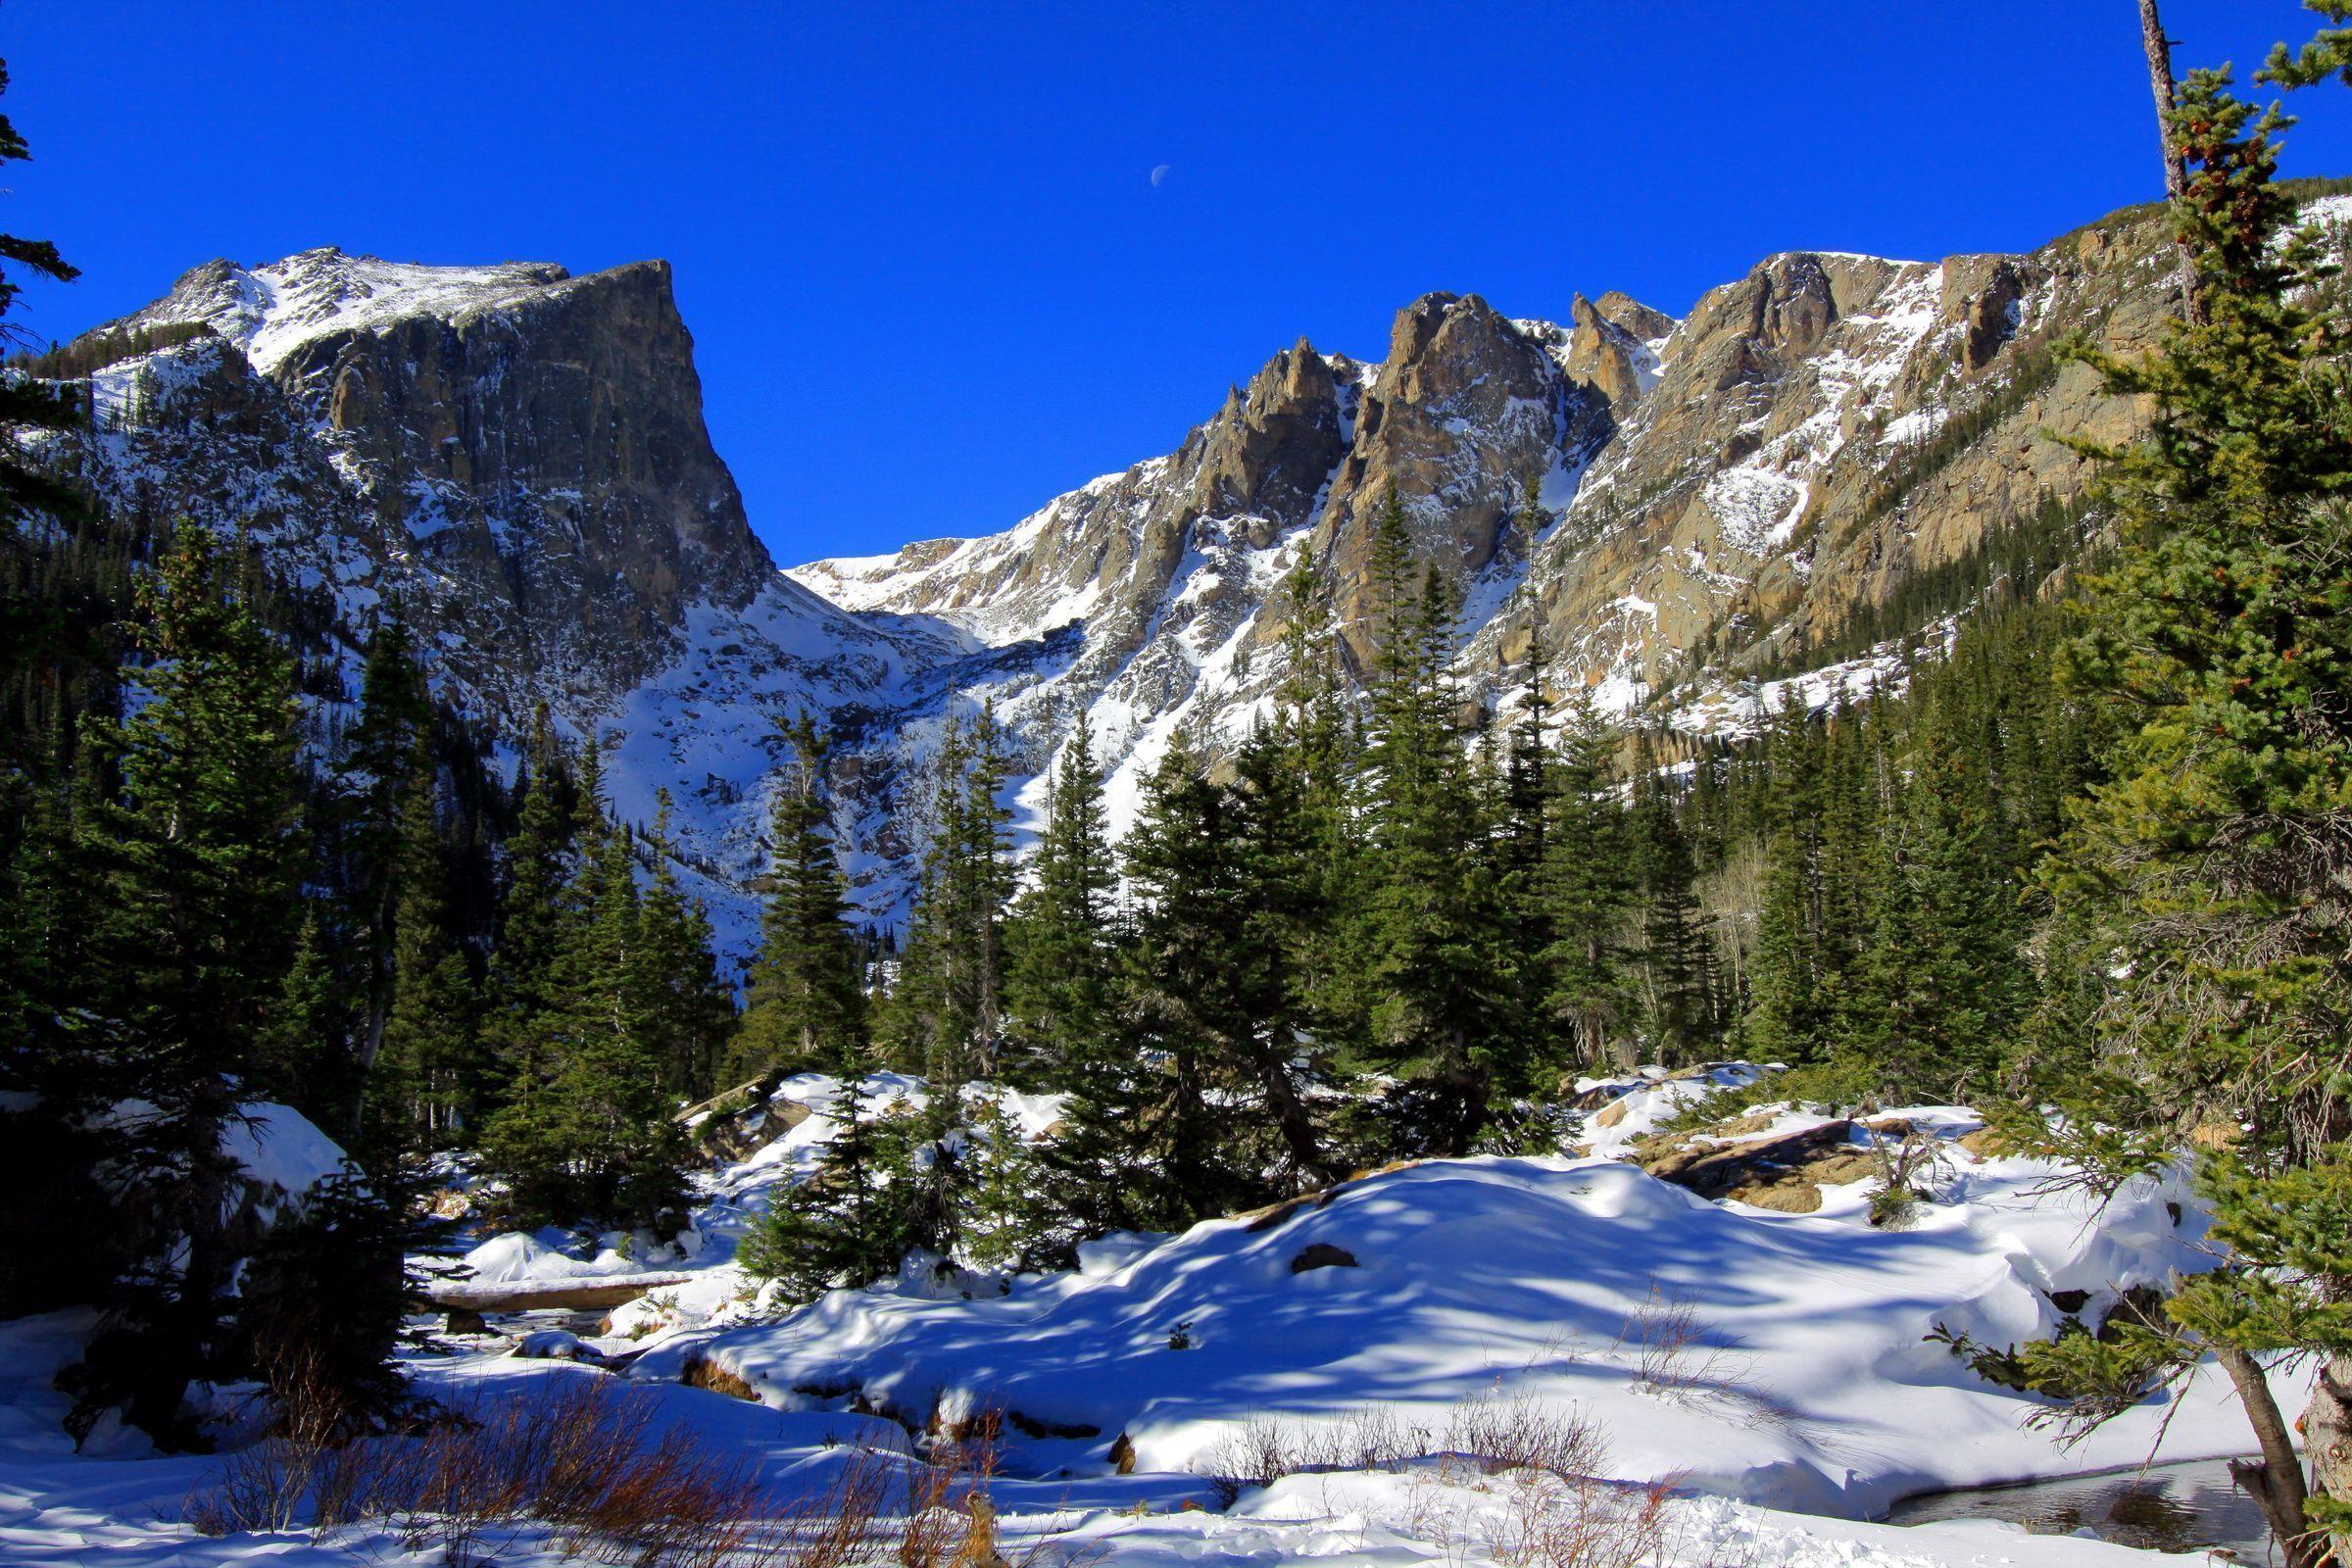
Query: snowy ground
[[62, 1510], [1770, 1368]]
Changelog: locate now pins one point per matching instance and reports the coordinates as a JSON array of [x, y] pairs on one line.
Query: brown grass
[[1540, 1465], [582, 1460], [1488, 1432]]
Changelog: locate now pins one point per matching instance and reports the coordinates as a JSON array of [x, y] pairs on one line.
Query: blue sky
[[930, 279]]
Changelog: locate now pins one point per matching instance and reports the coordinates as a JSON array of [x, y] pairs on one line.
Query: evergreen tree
[[2209, 865], [1791, 1010], [588, 1133], [27, 624], [683, 1007], [843, 1226], [1674, 983], [536, 883], [1183, 998], [807, 996], [196, 858], [430, 1072], [1585, 894], [388, 762], [1062, 934], [1442, 1000], [946, 1015], [296, 1055]]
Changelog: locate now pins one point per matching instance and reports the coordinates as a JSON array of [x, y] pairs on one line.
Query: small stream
[[2164, 1507]]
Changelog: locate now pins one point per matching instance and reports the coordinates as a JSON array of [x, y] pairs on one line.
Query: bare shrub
[[1517, 1432], [1578, 1521], [302, 1468], [1541, 1467], [1909, 1168], [1490, 1433], [1676, 1353], [581, 1459], [584, 1461]]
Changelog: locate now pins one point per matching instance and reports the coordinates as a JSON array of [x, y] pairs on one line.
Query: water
[[2166, 1508]]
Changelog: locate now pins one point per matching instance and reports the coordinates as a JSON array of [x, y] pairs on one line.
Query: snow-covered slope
[[518, 456], [1776, 1357], [58, 1509], [1713, 491]]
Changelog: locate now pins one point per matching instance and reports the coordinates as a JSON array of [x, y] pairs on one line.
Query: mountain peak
[[271, 310]]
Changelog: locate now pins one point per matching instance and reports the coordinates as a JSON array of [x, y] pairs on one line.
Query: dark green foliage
[[2205, 876], [425, 1087], [1062, 937], [1673, 965], [684, 1010], [1585, 890], [847, 1224], [587, 1132], [947, 1017], [1442, 1002], [26, 402], [808, 992]]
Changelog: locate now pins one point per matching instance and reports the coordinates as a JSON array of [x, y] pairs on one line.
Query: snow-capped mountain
[[518, 457]]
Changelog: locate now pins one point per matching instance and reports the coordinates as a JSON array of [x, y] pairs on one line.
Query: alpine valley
[[1784, 494]]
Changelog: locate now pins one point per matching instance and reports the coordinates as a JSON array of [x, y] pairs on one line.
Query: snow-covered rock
[[1778, 1358]]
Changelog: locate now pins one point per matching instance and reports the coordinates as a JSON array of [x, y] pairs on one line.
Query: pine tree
[[807, 996], [2209, 865], [429, 1072], [947, 1016], [1790, 1008], [1061, 935], [297, 1055], [1276, 846], [1316, 743], [530, 911], [388, 762], [843, 1226], [1186, 1011], [197, 860], [1674, 988], [1442, 1000], [683, 1007], [588, 1134], [1586, 894], [27, 624]]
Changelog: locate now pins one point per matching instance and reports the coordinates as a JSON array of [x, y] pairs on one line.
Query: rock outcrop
[[518, 458]]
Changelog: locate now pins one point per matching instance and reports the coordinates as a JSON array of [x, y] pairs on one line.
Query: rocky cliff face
[[518, 457], [531, 442], [1718, 492]]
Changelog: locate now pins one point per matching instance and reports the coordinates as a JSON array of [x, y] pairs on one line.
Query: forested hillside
[[1884, 734]]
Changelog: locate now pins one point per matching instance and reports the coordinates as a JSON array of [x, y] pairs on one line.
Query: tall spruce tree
[[1442, 1000], [1674, 981], [388, 762], [684, 1008], [587, 1134], [2209, 867], [196, 860], [1062, 937], [808, 995], [947, 1013], [428, 1074], [1585, 892]]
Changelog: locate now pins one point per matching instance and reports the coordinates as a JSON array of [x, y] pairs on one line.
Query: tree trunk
[[1290, 1116], [2327, 1440], [2159, 50], [2275, 1480]]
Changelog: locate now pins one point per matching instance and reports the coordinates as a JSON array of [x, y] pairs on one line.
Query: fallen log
[[581, 1294]]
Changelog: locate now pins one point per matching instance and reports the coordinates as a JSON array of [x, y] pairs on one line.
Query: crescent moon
[[1159, 172]]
